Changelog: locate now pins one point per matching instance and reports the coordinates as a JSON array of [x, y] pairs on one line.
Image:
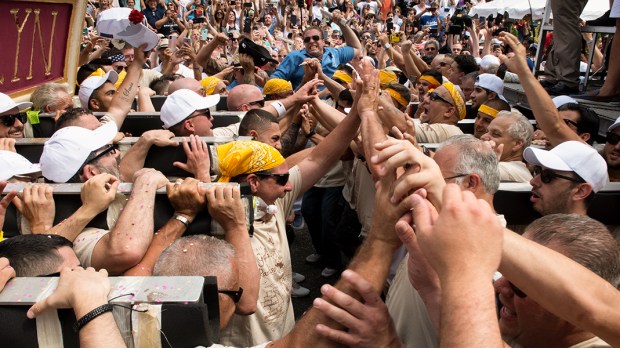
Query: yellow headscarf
[[245, 157], [343, 76], [387, 78], [487, 110], [209, 83], [399, 98], [121, 77], [459, 103], [431, 80], [274, 86]]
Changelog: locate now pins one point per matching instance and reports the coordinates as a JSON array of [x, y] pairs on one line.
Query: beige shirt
[[434, 133], [274, 316], [514, 171]]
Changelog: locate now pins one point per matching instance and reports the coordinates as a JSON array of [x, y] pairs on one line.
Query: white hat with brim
[[615, 125], [67, 150], [114, 24], [563, 100], [572, 156], [7, 104], [182, 103], [90, 84], [12, 163]]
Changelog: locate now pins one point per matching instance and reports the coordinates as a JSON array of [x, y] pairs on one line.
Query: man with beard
[[76, 154], [12, 117], [445, 108], [611, 151]]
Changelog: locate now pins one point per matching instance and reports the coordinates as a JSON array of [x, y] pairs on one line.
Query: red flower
[[136, 17]]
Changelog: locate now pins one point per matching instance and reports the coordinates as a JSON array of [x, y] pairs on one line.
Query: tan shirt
[[514, 171], [434, 133]]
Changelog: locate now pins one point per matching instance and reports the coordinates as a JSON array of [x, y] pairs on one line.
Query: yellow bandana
[[386, 78], [121, 77], [274, 86], [487, 110], [245, 157], [433, 82], [399, 98], [343, 76], [209, 83], [459, 103]]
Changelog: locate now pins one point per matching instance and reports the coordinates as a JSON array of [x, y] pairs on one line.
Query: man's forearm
[[126, 94], [372, 133], [72, 226], [349, 36], [134, 159], [162, 239], [248, 270]]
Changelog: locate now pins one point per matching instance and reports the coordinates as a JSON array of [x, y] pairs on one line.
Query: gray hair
[[199, 255], [582, 239], [475, 156], [46, 94], [521, 129]]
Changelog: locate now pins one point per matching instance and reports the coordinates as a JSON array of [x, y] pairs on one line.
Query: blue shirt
[[153, 16], [290, 70]]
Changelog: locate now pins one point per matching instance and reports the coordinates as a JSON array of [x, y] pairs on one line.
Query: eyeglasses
[[9, 120], [365, 37], [25, 178], [93, 156], [120, 68], [260, 103], [517, 291], [547, 175], [206, 113], [235, 295], [281, 56], [455, 176], [281, 179], [313, 38], [571, 123], [613, 138], [434, 97], [443, 64]]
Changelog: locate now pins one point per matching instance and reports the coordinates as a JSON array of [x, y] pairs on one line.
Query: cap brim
[[143, 36], [23, 106], [545, 158], [104, 135], [211, 100]]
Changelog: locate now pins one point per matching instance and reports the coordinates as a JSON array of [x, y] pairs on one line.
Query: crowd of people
[[355, 110]]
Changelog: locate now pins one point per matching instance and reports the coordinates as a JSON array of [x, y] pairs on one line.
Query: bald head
[[240, 97], [186, 83]]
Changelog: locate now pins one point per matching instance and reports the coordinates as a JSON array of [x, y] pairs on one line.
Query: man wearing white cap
[[12, 117], [486, 87], [565, 177], [611, 151], [185, 113], [76, 154], [16, 166], [97, 92]]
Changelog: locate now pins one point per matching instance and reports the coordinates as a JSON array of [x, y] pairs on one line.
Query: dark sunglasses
[[571, 122], [434, 97], [281, 179], [313, 38], [235, 295], [455, 176], [443, 63], [517, 291], [9, 120], [120, 68], [260, 103], [547, 175], [95, 156], [613, 138]]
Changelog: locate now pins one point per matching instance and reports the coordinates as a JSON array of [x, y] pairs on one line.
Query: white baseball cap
[[67, 150], [572, 156], [492, 83], [182, 103], [12, 163], [6, 104], [615, 125], [90, 84], [489, 60], [563, 100], [114, 24]]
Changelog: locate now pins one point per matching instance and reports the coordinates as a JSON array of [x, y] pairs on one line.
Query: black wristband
[[80, 323], [309, 135]]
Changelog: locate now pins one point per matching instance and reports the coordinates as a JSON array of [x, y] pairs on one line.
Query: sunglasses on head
[[434, 97], [260, 103], [613, 138], [313, 38], [9, 120], [548, 175], [281, 179], [517, 291]]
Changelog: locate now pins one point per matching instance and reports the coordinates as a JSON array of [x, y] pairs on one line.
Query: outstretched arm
[[126, 93]]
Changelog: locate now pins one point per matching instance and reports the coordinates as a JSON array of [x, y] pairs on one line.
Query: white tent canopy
[[517, 9]]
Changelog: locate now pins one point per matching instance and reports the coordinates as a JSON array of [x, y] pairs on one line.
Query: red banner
[[34, 42]]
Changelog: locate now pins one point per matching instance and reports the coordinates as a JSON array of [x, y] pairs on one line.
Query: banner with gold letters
[[39, 42]]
